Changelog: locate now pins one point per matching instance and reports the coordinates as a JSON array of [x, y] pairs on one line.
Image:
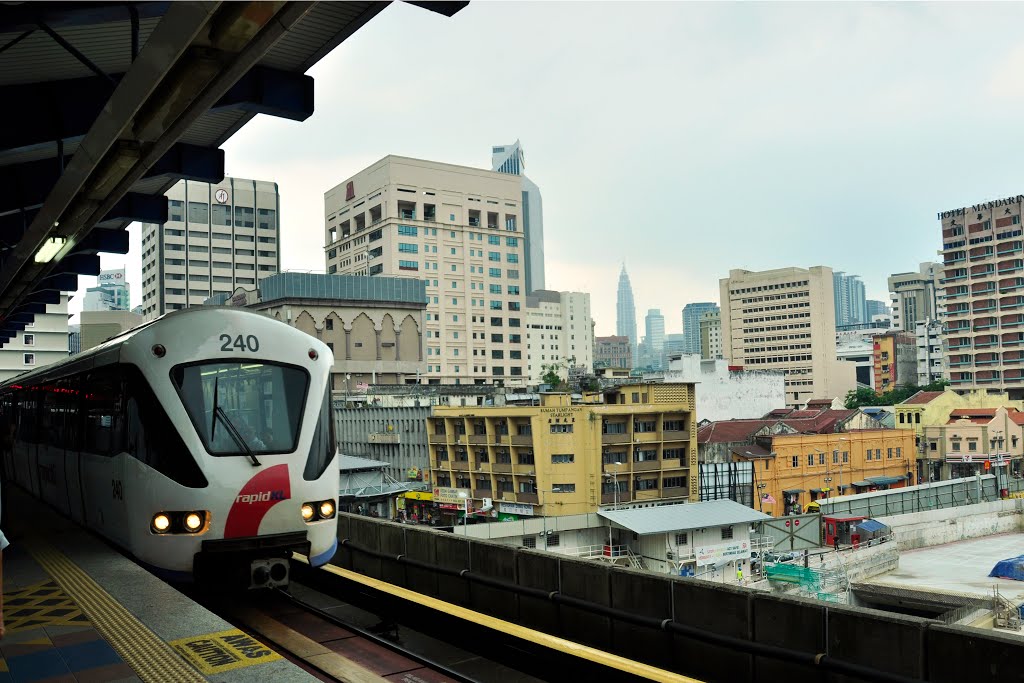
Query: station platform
[[76, 609]]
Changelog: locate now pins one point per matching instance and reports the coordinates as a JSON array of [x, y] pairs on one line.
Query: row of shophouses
[[507, 457]]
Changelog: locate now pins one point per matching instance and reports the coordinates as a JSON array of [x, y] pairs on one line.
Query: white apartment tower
[[559, 330], [917, 297], [44, 341], [459, 229], [784, 319], [510, 159], [217, 237]]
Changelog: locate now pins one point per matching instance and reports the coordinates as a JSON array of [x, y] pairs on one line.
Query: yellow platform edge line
[[547, 640], [152, 659]]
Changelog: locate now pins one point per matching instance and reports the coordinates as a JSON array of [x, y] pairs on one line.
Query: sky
[[681, 139]]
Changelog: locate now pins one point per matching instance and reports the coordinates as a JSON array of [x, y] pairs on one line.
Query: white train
[[201, 442]]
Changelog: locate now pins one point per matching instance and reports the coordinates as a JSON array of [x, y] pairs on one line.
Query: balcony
[[501, 467], [526, 498], [383, 437], [478, 438], [615, 438], [647, 466], [986, 380], [460, 465], [1010, 269], [983, 345], [612, 498], [979, 309], [676, 492], [960, 364], [961, 380], [985, 326], [964, 345], [991, 361], [957, 259], [524, 470], [438, 438], [1010, 287], [676, 435], [518, 440]]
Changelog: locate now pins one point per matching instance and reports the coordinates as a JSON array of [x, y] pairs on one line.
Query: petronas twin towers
[[625, 324]]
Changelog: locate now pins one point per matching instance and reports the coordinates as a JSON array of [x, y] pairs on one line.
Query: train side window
[[27, 415], [102, 424], [323, 447], [151, 438], [51, 416]]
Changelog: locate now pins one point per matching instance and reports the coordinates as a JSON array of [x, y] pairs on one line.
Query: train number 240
[[251, 343]]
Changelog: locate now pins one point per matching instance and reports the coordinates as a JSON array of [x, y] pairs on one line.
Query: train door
[[102, 456], [25, 438], [72, 445], [50, 449]]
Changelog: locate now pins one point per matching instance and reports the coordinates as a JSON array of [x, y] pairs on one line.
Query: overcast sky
[[683, 139]]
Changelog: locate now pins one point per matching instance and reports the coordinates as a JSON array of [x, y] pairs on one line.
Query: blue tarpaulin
[[1012, 568], [870, 525]]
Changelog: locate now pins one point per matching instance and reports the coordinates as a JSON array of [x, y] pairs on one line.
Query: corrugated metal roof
[[348, 463], [668, 518]]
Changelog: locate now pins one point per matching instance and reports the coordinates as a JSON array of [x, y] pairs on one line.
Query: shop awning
[[863, 483], [882, 480], [816, 490], [793, 490], [871, 525]]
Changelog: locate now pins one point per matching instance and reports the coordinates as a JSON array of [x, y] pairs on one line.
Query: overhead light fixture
[[49, 249]]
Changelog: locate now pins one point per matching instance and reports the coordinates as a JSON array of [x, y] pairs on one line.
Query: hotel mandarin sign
[[953, 213]]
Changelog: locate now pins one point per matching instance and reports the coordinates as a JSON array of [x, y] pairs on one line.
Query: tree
[[551, 376], [864, 396]]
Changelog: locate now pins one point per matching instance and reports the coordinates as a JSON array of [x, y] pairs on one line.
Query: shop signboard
[[451, 495], [515, 509]]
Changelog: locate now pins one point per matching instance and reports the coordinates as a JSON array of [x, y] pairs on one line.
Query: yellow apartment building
[[801, 468], [636, 444], [932, 408]]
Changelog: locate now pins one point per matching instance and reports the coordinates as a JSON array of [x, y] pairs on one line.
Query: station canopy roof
[[107, 105]]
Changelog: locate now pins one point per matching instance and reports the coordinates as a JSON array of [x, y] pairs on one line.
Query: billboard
[[450, 495], [724, 552], [111, 277]]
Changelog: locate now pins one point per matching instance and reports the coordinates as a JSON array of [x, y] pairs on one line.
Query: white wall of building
[[559, 329], [725, 395], [43, 342], [931, 364]]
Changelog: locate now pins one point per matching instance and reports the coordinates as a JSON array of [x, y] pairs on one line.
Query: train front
[[251, 398]]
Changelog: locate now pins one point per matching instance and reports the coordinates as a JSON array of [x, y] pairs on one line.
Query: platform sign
[[794, 532], [215, 653]]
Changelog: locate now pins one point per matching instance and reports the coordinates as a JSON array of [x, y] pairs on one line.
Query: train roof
[[99, 354]]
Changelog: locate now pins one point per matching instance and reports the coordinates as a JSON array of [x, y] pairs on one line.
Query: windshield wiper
[[232, 430]]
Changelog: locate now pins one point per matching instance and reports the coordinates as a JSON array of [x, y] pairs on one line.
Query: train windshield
[[243, 408]]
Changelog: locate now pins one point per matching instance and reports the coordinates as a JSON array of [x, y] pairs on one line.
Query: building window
[[726, 533], [821, 458], [917, 418], [561, 429], [889, 454], [646, 485], [810, 459], [528, 541], [268, 219], [561, 458], [681, 539], [29, 359], [796, 461], [972, 445], [563, 488], [899, 452], [29, 340], [244, 217], [199, 212], [220, 214]]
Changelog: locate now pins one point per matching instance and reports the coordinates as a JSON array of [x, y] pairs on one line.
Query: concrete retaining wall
[[937, 527], [890, 642]]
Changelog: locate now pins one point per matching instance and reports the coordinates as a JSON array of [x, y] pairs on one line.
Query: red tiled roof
[[1017, 417], [729, 431], [779, 412], [824, 402], [752, 451], [922, 397], [797, 414], [982, 420], [973, 412]]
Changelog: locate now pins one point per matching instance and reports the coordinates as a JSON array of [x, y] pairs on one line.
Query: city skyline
[[882, 179]]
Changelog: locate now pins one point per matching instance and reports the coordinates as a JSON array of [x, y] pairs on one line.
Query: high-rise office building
[[875, 307], [457, 228], [559, 331], [625, 313], [654, 328], [982, 249], [784, 320], [217, 237], [916, 297], [711, 335], [111, 293], [510, 159], [849, 300], [691, 324], [43, 341]]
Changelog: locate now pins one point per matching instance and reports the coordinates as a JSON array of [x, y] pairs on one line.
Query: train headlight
[[193, 521], [161, 523], [327, 509], [307, 511]]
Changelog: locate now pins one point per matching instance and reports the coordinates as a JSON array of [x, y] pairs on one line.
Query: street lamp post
[[544, 516], [614, 476]]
